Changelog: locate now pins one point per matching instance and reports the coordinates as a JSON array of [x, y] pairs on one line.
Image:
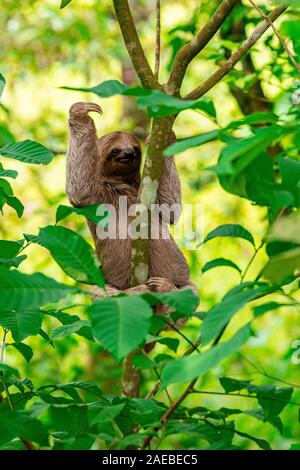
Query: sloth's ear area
[[81, 109]]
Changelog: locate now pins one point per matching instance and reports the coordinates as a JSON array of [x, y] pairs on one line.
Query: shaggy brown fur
[[99, 170]]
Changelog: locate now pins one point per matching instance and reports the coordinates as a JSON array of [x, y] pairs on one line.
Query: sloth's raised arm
[[82, 155]]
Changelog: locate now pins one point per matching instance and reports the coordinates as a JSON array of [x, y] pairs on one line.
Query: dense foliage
[[61, 355]]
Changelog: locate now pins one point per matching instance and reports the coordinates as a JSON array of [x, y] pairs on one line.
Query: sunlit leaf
[[21, 291], [120, 323], [230, 230], [188, 368], [73, 254], [215, 263], [27, 151]]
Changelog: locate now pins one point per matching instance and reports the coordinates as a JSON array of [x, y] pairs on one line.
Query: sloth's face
[[120, 154]]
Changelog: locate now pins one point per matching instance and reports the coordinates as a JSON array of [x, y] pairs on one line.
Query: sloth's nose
[[128, 152]]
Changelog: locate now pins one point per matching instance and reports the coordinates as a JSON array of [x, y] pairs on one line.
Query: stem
[[27, 444], [186, 54], [278, 35], [131, 377], [236, 56], [251, 260], [133, 44], [157, 42], [243, 395], [158, 141]]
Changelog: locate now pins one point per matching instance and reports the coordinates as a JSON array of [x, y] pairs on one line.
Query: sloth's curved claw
[[81, 108]]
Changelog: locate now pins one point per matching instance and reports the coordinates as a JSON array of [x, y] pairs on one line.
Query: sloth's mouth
[[125, 158]]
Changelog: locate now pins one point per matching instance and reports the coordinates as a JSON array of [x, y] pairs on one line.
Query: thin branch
[[157, 41], [186, 54], [171, 410], [236, 56], [243, 395], [280, 38], [133, 44], [156, 386]]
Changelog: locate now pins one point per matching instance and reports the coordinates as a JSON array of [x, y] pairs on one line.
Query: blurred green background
[[44, 48]]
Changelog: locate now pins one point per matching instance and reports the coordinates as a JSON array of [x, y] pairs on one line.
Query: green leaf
[[254, 118], [64, 3], [107, 413], [2, 84], [219, 262], [27, 151], [9, 249], [8, 173], [8, 372], [15, 262], [72, 253], [65, 330], [26, 291], [67, 319], [295, 446], [120, 323], [282, 266], [183, 301], [267, 307], [262, 443], [218, 317], [272, 399], [239, 153], [90, 212], [143, 362], [188, 368], [190, 142], [230, 230], [21, 424], [160, 104], [21, 323], [171, 343], [23, 349], [157, 102], [232, 385]]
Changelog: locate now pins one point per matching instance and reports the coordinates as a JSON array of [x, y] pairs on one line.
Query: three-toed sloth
[[99, 171]]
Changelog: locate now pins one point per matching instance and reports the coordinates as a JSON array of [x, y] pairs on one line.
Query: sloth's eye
[[115, 151]]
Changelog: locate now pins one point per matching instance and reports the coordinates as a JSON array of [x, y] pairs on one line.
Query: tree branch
[[157, 41], [133, 44], [186, 54], [236, 56], [280, 38]]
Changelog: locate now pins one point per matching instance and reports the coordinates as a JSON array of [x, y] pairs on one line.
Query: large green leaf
[[64, 3], [239, 153], [8, 173], [21, 424], [230, 230], [188, 368], [215, 263], [218, 317], [183, 301], [272, 399], [120, 323], [27, 151], [19, 291], [157, 102], [9, 249], [90, 212], [21, 323], [73, 254], [191, 142], [65, 330]]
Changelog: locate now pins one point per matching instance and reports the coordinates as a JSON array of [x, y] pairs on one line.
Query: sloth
[[99, 171]]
